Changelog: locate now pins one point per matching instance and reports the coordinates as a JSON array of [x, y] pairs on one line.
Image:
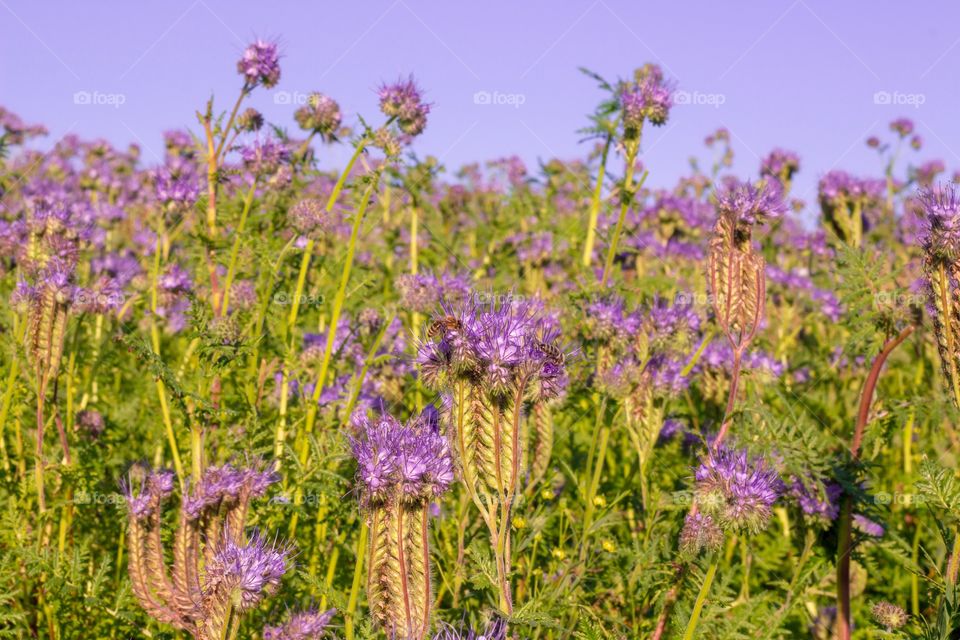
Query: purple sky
[[800, 74]]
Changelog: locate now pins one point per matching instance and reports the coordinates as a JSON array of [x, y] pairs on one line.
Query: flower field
[[246, 396]]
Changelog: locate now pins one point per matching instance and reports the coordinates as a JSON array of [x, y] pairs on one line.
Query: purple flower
[[139, 504], [750, 205], [179, 191], [941, 207], [245, 573], [305, 625], [700, 533], [867, 526], [309, 217], [819, 504], [260, 64], [265, 157], [320, 114], [409, 463], [402, 100], [737, 490], [498, 345], [780, 164], [902, 127]]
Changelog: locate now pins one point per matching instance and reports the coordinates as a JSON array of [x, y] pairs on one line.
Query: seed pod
[[737, 283]]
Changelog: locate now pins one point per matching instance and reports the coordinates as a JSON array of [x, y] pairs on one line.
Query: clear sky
[[800, 74]]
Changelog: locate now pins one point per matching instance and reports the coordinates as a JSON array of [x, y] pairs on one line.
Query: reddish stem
[[846, 515]]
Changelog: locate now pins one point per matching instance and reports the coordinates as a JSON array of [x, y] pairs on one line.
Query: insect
[[553, 352], [448, 323]]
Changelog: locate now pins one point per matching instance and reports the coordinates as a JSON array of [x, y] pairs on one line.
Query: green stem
[[595, 205], [626, 199], [235, 250], [701, 599]]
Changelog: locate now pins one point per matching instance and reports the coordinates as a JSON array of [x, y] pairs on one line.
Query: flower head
[[750, 205], [737, 490], [700, 533], [245, 573], [320, 114], [407, 463], [941, 207], [403, 100], [889, 615], [260, 64]]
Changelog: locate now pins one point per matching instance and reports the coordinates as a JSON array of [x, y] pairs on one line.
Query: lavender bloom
[[409, 463], [260, 64], [309, 217], [91, 422], [941, 206], [902, 127], [737, 490], [402, 100], [822, 505], [780, 164], [867, 526], [649, 97], [749, 205], [176, 191], [321, 114], [265, 157], [500, 344], [140, 504], [244, 574], [305, 625], [700, 533]]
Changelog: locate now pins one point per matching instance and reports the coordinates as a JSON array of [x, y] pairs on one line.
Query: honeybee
[[448, 323], [553, 352]]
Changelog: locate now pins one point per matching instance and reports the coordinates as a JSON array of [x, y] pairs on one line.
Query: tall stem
[[626, 199], [846, 514], [701, 599], [595, 204]]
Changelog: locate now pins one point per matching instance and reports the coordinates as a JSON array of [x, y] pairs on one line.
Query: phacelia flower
[[250, 121], [902, 127], [305, 625], [320, 114], [889, 615], [403, 100], [260, 64], [750, 205], [941, 207], [700, 533], [737, 490], [309, 217], [245, 573], [410, 463]]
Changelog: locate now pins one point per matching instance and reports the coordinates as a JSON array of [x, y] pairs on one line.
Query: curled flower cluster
[[889, 615], [737, 490], [502, 348], [941, 266], [215, 568], [260, 64], [403, 100], [422, 292], [321, 114], [400, 470], [846, 202], [700, 533], [309, 217], [244, 573], [781, 165], [406, 464], [648, 97]]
